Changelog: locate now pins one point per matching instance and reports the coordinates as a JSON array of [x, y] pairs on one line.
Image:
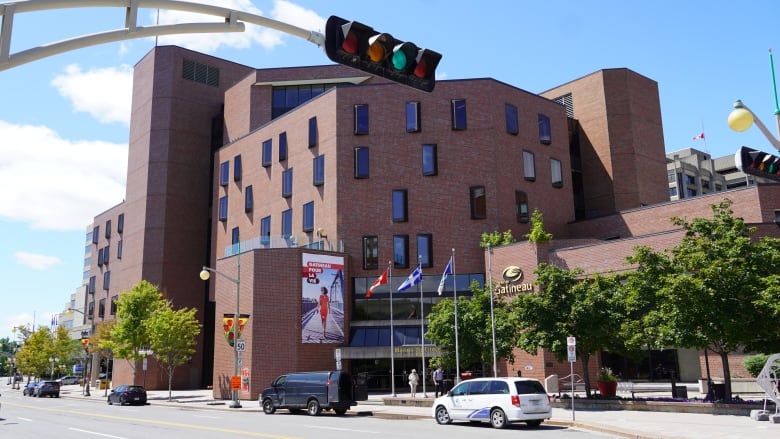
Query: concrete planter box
[[662, 406]]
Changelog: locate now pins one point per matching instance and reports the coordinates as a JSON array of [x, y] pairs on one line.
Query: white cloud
[[103, 93], [36, 261], [54, 183], [283, 11]]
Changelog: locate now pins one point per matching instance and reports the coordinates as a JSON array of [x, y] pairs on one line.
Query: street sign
[[241, 345], [571, 341], [572, 354], [235, 383]]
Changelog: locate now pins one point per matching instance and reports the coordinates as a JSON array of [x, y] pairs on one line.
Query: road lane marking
[[95, 433], [343, 429]]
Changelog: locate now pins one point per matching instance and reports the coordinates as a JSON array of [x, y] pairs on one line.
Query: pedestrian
[[413, 379], [438, 381]]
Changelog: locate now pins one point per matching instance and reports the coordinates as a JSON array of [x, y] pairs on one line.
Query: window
[[690, 192], [265, 230], [114, 300], [529, 166], [430, 161], [119, 249], [100, 257], [223, 208], [234, 236], [249, 199], [106, 280], [690, 179], [282, 146], [91, 311], [458, 114], [237, 168], [521, 206], [318, 169], [102, 308], [268, 150], [313, 132], [673, 191], [412, 117], [287, 183], [106, 253], [120, 223], [287, 223], [361, 119], [308, 216], [400, 213], [91, 287], [544, 129], [224, 173], [95, 234], [108, 229], [286, 98], [478, 202], [401, 251], [556, 173], [512, 126], [370, 252], [199, 72], [361, 162], [425, 249]]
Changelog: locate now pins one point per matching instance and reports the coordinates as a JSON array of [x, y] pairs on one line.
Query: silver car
[[500, 401]]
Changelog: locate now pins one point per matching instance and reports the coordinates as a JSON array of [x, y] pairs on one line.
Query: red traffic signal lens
[[351, 43], [421, 70]]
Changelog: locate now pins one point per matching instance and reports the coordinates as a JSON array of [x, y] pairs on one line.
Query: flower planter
[[607, 388]]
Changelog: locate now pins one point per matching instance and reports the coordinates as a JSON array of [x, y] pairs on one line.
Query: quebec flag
[[413, 279]]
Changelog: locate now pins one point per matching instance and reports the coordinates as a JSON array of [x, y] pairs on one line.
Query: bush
[[755, 363]]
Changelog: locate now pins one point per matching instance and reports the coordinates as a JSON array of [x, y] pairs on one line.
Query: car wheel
[[109, 401], [442, 415], [268, 407], [122, 400], [340, 411], [313, 407], [535, 423], [498, 418]]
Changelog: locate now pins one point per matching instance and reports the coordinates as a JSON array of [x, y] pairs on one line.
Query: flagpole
[[422, 326], [392, 331], [455, 295]]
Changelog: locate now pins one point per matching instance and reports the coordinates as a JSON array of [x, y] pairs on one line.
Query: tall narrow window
[[544, 130], [308, 216], [361, 119], [529, 167], [370, 252], [401, 251], [318, 168], [265, 230], [249, 199], [108, 229], [478, 202], [313, 132], [287, 223], [512, 126], [95, 234], [521, 206], [283, 146], [106, 254], [100, 257], [234, 236], [119, 249], [412, 117], [224, 173], [425, 249], [120, 223], [91, 311], [223, 208], [102, 308], [237, 168], [91, 285], [458, 114], [268, 151], [106, 280], [556, 173], [400, 213], [361, 162], [114, 300], [430, 160], [287, 183]]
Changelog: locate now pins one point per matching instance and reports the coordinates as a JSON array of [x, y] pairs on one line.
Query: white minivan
[[500, 401]]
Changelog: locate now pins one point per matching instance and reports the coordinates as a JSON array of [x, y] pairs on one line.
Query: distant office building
[[693, 173]]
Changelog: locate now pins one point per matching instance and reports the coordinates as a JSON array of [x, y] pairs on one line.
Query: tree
[[494, 239], [130, 333], [569, 305], [537, 233], [33, 357], [172, 336]]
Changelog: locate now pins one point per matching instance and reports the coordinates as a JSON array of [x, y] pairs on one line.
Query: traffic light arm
[[739, 105]]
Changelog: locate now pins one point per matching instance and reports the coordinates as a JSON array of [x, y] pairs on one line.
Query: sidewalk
[[622, 423]]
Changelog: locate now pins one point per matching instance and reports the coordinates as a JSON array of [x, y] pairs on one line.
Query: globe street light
[[741, 118], [204, 275]]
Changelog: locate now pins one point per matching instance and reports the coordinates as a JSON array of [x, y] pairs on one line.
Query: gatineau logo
[[512, 274]]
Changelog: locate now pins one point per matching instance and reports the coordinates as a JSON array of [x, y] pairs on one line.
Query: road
[[71, 418]]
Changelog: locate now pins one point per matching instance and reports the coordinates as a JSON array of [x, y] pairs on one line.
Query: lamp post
[[14, 383], [741, 118], [492, 314], [204, 275], [88, 368], [52, 360]]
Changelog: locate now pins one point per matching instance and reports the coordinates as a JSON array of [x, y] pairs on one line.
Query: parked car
[[500, 401], [68, 380], [312, 391], [127, 394], [29, 389], [50, 388]]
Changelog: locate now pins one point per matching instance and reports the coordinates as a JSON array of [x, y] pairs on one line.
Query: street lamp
[[14, 382], [204, 275], [52, 360], [88, 368], [741, 118]]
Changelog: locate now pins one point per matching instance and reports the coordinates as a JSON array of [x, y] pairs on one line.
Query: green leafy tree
[[475, 333], [569, 305], [173, 337], [495, 239], [130, 332], [33, 356], [537, 233]]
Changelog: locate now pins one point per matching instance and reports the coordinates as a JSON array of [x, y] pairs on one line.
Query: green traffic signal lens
[[399, 60]]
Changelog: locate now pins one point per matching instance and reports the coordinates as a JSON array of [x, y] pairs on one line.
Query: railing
[[292, 241]]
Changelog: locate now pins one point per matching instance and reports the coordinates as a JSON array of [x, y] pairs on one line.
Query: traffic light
[[758, 163], [359, 46]]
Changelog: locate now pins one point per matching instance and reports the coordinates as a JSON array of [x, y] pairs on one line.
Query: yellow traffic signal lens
[[376, 52]]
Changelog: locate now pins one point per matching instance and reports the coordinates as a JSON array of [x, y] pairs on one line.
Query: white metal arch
[[232, 21]]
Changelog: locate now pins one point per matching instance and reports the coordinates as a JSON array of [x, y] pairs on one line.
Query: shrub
[[755, 363]]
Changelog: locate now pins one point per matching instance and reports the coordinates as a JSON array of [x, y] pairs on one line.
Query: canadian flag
[[699, 136], [381, 280]]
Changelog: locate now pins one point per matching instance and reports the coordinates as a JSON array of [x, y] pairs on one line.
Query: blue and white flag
[[447, 272], [413, 279]]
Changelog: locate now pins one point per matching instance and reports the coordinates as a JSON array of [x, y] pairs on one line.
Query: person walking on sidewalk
[[413, 379], [438, 381]]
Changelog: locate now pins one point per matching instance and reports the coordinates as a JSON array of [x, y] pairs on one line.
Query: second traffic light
[[758, 163], [359, 46]]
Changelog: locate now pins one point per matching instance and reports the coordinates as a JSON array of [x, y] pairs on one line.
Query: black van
[[313, 391]]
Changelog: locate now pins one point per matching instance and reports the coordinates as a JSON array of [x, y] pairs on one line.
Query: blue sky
[[64, 119]]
